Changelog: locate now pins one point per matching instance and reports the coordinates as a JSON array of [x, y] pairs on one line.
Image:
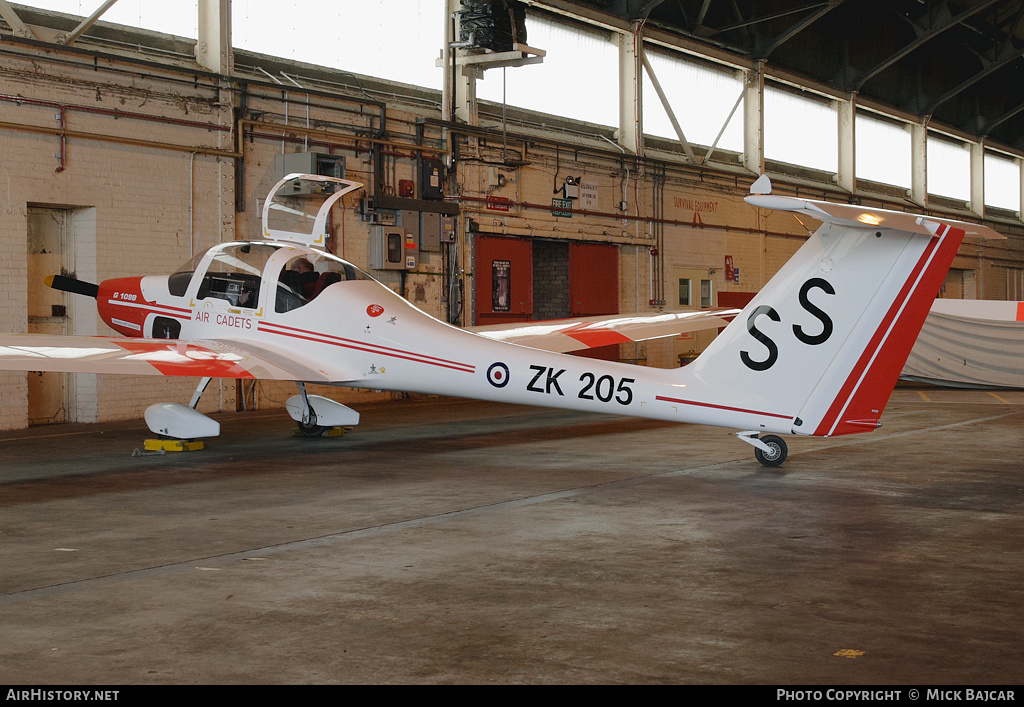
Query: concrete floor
[[459, 542]]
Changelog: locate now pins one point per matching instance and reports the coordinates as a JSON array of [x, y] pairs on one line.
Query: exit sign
[[559, 206]]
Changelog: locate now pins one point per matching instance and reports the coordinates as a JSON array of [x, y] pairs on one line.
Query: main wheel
[[776, 455], [311, 430]]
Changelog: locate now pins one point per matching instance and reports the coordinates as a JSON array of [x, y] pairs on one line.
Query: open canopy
[[297, 207]]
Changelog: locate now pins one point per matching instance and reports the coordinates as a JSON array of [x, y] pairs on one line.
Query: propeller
[[70, 284]]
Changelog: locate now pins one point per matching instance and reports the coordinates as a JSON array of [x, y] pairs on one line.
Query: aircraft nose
[[122, 305]]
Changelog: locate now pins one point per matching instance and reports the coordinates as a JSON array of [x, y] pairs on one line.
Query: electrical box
[[430, 231], [431, 179], [448, 229], [368, 208], [310, 163], [387, 217], [410, 222], [394, 247], [387, 248]]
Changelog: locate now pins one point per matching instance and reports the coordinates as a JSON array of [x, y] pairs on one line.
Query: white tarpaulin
[[970, 343]]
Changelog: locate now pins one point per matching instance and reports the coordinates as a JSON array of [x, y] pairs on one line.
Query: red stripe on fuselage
[[722, 407], [153, 308], [296, 333]]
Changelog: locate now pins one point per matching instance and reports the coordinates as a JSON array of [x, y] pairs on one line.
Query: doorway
[[49, 242]]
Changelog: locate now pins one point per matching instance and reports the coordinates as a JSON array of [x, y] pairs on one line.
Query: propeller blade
[[70, 284]]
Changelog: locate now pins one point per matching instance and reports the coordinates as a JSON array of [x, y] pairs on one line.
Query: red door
[[594, 288], [593, 279], [504, 280]]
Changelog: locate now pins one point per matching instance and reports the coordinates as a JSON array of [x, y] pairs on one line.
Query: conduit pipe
[[314, 133], [637, 217], [63, 133]]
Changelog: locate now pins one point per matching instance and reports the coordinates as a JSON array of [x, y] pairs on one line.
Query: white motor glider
[[816, 352]]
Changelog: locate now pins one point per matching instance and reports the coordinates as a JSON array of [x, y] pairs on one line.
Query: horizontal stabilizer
[[856, 216]]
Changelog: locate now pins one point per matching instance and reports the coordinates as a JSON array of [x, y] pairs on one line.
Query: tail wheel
[[778, 451]]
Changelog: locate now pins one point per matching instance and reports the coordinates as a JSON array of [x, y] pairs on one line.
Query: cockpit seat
[[308, 282], [290, 279], [325, 280]]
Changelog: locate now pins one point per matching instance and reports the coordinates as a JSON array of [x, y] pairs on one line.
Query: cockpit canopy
[[242, 273], [298, 207], [292, 266]]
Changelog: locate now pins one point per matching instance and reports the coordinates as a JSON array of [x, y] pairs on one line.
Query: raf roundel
[[375, 310], [497, 375]]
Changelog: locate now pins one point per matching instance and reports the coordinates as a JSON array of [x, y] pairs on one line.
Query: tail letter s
[[809, 339], [826, 322], [773, 350]]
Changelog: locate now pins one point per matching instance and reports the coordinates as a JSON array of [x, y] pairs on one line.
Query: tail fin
[[824, 342]]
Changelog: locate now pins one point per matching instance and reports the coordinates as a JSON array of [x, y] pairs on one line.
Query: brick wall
[[550, 280]]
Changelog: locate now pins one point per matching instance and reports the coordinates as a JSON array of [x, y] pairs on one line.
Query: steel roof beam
[[1003, 118], [11, 16], [1009, 55], [921, 39], [667, 105], [769, 18], [800, 26], [700, 16], [68, 38]]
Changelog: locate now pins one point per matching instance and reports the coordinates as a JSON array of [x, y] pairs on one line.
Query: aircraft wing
[[154, 357], [564, 335]]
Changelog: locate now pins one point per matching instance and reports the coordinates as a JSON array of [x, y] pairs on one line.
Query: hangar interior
[[129, 151], [453, 541]]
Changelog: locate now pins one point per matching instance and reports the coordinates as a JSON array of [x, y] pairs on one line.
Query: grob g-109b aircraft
[[816, 352]]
